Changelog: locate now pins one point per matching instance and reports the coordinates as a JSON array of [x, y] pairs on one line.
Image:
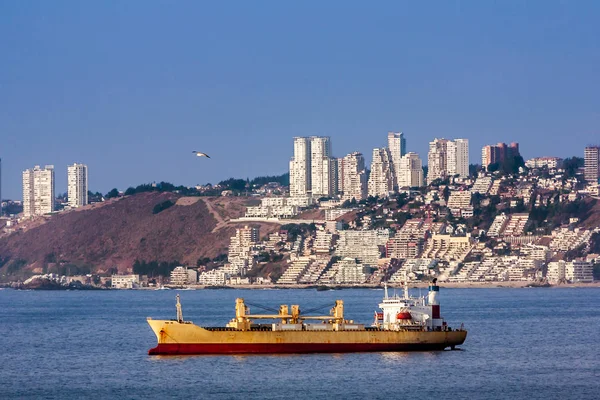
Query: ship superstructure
[[403, 324]]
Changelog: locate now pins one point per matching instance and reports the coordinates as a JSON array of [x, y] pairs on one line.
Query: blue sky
[[132, 87]]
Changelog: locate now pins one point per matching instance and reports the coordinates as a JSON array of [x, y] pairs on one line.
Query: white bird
[[200, 154]]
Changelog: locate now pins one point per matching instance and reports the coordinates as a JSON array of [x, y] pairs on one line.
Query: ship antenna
[[405, 286], [385, 292], [179, 312]]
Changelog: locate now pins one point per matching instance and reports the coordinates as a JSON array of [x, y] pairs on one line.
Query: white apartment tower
[[381, 181], [312, 169], [397, 148], [300, 173], [77, 185], [592, 164], [410, 171], [448, 158], [458, 157], [38, 191], [354, 177], [323, 167], [436, 160]]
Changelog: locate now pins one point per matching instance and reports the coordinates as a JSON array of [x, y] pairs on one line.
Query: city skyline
[[473, 157], [489, 73]]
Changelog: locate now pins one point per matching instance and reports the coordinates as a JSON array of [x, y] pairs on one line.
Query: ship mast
[[179, 312]]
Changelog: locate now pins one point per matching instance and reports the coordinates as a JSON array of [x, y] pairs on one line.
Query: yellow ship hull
[[186, 338]]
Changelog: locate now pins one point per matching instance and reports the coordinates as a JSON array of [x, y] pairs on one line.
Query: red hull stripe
[[243, 348]]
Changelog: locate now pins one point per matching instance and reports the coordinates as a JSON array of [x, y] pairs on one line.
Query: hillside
[[118, 232]]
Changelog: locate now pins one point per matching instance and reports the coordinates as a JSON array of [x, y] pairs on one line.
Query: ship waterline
[[193, 339]]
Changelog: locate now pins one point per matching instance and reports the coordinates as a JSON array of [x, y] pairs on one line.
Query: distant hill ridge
[[151, 226]]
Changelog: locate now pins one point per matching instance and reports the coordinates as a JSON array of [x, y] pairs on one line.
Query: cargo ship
[[402, 323]]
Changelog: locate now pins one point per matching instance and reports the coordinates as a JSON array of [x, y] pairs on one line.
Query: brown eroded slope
[[119, 232]]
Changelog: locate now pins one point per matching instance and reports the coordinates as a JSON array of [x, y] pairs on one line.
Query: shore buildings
[[38, 191], [77, 185], [125, 281], [592, 164], [183, 276]]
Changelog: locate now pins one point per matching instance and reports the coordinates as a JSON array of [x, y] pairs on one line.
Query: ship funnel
[[434, 290]]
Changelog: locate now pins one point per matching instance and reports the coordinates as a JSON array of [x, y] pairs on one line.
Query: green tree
[[113, 193]]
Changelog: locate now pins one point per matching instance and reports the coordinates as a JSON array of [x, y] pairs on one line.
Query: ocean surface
[[535, 343]]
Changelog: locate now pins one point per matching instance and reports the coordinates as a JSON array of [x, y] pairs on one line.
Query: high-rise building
[[592, 164], [437, 160], [458, 158], [300, 173], [323, 168], [340, 175], [381, 180], [410, 171], [448, 158], [353, 178], [77, 185], [312, 169], [397, 148], [38, 191], [498, 153]]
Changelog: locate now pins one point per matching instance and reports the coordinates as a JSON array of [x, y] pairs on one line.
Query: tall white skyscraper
[[312, 169], [397, 148], [323, 168], [592, 164], [437, 160], [410, 171], [354, 177], [77, 185], [381, 180], [38, 191], [300, 173], [458, 158], [448, 158]]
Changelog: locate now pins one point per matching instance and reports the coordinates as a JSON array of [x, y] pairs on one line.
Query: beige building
[[410, 171], [592, 163], [38, 191], [381, 180], [77, 185], [300, 174], [353, 178], [125, 281], [242, 244], [447, 158], [458, 158], [397, 149], [323, 167], [437, 160], [312, 169]]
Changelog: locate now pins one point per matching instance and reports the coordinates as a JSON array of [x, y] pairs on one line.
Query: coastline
[[412, 285], [453, 285]]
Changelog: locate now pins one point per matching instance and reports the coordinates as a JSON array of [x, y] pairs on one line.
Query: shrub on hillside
[[162, 206]]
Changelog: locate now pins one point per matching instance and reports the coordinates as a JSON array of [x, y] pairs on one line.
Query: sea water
[[537, 343]]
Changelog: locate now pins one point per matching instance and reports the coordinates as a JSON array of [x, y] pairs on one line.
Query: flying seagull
[[200, 154]]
